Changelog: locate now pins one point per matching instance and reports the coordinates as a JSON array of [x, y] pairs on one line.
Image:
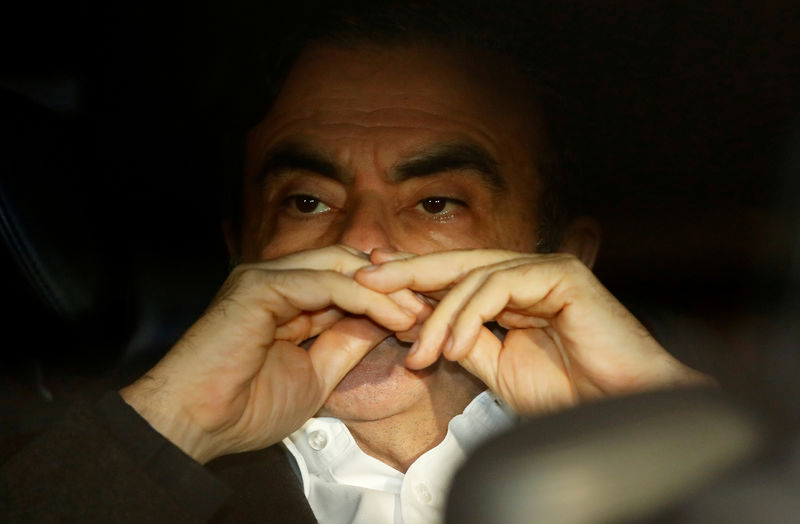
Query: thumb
[[528, 370], [338, 349]]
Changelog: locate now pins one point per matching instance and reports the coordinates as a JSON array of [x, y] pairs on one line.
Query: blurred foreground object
[[614, 461]]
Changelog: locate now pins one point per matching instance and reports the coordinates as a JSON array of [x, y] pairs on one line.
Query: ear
[[582, 239], [232, 242]]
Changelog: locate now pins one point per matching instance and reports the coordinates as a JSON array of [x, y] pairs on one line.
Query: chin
[[380, 386]]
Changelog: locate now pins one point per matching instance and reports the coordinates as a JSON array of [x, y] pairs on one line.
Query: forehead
[[400, 95]]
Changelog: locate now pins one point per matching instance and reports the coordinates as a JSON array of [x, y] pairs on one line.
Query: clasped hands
[[239, 379], [568, 338]]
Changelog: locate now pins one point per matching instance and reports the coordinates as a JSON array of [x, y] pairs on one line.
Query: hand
[[569, 339], [238, 380]]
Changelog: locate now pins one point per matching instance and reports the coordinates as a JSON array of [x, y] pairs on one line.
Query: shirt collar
[[324, 447]]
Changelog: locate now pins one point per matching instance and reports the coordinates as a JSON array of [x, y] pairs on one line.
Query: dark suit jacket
[[104, 463]]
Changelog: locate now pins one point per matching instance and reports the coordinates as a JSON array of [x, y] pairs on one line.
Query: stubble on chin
[[380, 385]]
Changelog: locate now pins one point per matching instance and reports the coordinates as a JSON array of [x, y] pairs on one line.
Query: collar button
[[423, 493], [317, 440]]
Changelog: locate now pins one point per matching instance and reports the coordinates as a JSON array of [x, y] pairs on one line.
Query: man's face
[[410, 148]]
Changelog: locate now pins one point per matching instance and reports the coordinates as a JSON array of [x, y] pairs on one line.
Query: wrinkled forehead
[[421, 87]]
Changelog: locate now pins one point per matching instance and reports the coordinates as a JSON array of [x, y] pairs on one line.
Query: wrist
[[147, 397], [679, 375]]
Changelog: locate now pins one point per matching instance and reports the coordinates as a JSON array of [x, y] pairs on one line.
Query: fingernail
[[369, 268], [448, 345], [414, 347]]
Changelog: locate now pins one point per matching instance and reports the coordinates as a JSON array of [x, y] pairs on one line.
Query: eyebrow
[[297, 156], [452, 156]]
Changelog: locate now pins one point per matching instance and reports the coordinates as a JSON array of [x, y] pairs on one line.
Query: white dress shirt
[[343, 484]]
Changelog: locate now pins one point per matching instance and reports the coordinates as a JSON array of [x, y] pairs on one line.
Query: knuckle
[[343, 259], [574, 264], [235, 280], [350, 347], [564, 262], [332, 253], [330, 275], [498, 277], [249, 277], [238, 269], [476, 274]]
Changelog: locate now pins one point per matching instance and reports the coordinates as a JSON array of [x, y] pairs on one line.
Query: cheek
[[522, 239], [411, 234], [514, 229], [282, 248], [492, 231], [254, 220], [515, 223], [264, 238], [281, 242]]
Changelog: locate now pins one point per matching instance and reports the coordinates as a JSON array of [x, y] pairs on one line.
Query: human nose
[[367, 226]]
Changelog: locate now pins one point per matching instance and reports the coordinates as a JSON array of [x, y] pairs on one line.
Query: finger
[[383, 255], [296, 330], [308, 325], [412, 334], [347, 260], [516, 320], [412, 302], [286, 293], [340, 258], [482, 361], [517, 287], [529, 370], [431, 272], [354, 251], [338, 349], [436, 330], [439, 328]]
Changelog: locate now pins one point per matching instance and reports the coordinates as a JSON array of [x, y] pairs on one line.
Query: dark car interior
[[687, 125]]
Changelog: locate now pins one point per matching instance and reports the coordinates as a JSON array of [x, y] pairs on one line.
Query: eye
[[307, 204], [437, 205]]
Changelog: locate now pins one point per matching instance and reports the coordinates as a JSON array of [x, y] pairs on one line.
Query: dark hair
[[506, 29]]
